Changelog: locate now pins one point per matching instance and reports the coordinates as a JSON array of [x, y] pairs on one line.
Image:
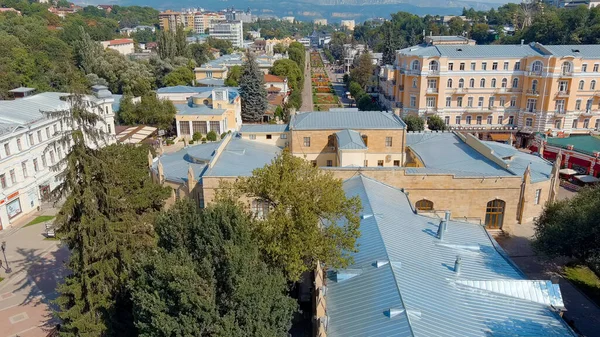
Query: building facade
[[232, 31], [498, 89], [28, 149], [348, 24], [122, 46]]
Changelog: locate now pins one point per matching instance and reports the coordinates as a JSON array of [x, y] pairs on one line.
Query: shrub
[[211, 136], [170, 142], [223, 135], [196, 136], [191, 142]]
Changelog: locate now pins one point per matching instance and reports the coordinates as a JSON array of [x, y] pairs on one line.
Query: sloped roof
[[350, 140], [340, 119], [119, 41], [183, 89], [584, 144], [186, 109], [401, 265], [584, 50], [266, 128], [273, 78], [468, 51]]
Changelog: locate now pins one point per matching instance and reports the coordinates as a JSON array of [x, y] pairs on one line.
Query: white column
[[191, 129], [207, 126], [177, 126]]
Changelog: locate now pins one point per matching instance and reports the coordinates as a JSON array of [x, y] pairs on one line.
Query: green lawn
[[585, 279], [1, 279], [39, 219]]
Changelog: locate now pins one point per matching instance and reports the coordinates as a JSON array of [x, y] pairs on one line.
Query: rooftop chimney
[[457, 265], [21, 92], [441, 230], [446, 218], [522, 42]]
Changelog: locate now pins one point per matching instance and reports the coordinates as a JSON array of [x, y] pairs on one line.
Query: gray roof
[[446, 153], [584, 50], [401, 265], [22, 90], [184, 89], [29, 109], [340, 119], [194, 109], [350, 140], [238, 158], [468, 51], [274, 128], [213, 82]]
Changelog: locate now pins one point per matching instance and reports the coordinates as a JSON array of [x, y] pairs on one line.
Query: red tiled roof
[[273, 78], [120, 41], [273, 89]]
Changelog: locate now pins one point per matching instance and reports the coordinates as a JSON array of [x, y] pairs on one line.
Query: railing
[[535, 73], [563, 93], [566, 73], [410, 71], [460, 90], [432, 90], [532, 92], [433, 72]]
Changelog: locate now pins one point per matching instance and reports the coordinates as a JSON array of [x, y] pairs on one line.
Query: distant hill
[[332, 10]]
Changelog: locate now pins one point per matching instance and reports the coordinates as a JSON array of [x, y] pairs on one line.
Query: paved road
[[338, 86], [582, 313], [26, 293], [307, 100]]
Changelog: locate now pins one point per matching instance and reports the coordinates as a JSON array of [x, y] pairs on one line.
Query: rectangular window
[[448, 101], [52, 161], [586, 123], [584, 68], [48, 132], [13, 177], [505, 65], [489, 119], [329, 163], [380, 163], [215, 126], [513, 101], [54, 127], [184, 128], [430, 102], [483, 65], [563, 86], [578, 104], [39, 136], [511, 120], [538, 192], [457, 120], [31, 139], [366, 163], [413, 101], [431, 84], [557, 124], [574, 124], [596, 124], [269, 136], [306, 141], [500, 120], [7, 149], [396, 163], [472, 65], [447, 120], [559, 105], [19, 145], [3, 180], [479, 120], [284, 136], [36, 168], [252, 137], [199, 127], [468, 120], [596, 67], [388, 141], [518, 65], [495, 66], [491, 102], [529, 122], [480, 102], [531, 104], [24, 169], [459, 101], [502, 102], [470, 102], [44, 163], [462, 66], [450, 66]]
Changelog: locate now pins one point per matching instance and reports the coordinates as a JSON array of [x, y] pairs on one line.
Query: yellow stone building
[[497, 89]]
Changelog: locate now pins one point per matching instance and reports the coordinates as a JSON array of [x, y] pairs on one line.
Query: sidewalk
[[37, 267]]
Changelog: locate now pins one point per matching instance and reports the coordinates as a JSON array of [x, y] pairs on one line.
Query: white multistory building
[[27, 149], [232, 31]]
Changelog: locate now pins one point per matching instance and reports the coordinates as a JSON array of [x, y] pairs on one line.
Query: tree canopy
[[414, 123], [233, 76], [252, 91], [436, 123], [149, 110]]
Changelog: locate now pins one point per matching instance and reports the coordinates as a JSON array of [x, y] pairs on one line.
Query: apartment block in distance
[[27, 148], [498, 91], [232, 31]]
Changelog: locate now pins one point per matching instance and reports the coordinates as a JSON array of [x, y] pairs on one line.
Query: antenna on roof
[[446, 218], [457, 265]]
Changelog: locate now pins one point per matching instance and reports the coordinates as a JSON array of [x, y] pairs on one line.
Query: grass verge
[[585, 279], [39, 219]]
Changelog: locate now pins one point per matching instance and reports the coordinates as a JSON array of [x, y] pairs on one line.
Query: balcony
[[406, 71], [432, 90], [566, 73], [533, 92], [461, 90], [535, 73], [563, 93], [433, 72], [596, 93]]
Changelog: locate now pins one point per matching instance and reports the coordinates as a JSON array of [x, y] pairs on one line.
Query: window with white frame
[[574, 124], [260, 208], [447, 120], [13, 177], [593, 85], [538, 193], [472, 65], [461, 83], [511, 120], [489, 120], [449, 84], [586, 123], [518, 65], [450, 66], [483, 65], [531, 104], [596, 67], [559, 105], [459, 102], [581, 85], [557, 124], [431, 84], [502, 102], [597, 123], [491, 102], [505, 65], [252, 136], [413, 101], [480, 102], [462, 66], [433, 66], [504, 83], [515, 82], [513, 101], [472, 83], [482, 83], [493, 84], [578, 104], [388, 141], [563, 86], [470, 102], [306, 141], [430, 102], [537, 67], [24, 169], [529, 122], [500, 120], [584, 68], [479, 120], [284, 136], [494, 65], [457, 120], [448, 101], [468, 120]]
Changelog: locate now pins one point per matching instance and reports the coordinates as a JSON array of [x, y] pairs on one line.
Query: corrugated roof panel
[[340, 119], [246, 128], [350, 140]]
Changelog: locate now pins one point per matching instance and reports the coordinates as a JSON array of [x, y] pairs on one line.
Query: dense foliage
[[252, 91], [414, 123], [233, 76], [148, 111], [436, 123], [278, 29]]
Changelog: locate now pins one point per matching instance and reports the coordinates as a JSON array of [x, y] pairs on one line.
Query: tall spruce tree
[[252, 91], [106, 215], [389, 45]]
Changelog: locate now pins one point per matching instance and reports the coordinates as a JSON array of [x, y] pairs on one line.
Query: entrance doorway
[[494, 214]]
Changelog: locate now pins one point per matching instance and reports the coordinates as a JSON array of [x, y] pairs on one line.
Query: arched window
[[494, 214], [581, 84], [566, 68], [515, 83], [415, 65], [472, 83], [449, 83], [504, 82], [424, 205], [433, 66], [537, 67], [593, 85], [493, 82], [414, 82], [534, 85], [461, 83], [260, 208], [482, 83]]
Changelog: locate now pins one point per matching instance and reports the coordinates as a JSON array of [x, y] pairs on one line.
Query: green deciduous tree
[[200, 52], [109, 206], [363, 71], [179, 76], [570, 227], [309, 220], [211, 136], [289, 69], [414, 123], [252, 91], [436, 123], [208, 278], [150, 110], [233, 76]]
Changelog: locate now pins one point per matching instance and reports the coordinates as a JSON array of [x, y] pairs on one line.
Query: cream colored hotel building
[[496, 90]]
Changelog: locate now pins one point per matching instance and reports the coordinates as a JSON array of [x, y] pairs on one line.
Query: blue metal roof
[[184, 89], [590, 51], [241, 156], [446, 153], [468, 51], [350, 140], [402, 265], [175, 165], [194, 109], [345, 119], [258, 128], [213, 82]]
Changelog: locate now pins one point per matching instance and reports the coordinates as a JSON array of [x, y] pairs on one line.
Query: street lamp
[[8, 270]]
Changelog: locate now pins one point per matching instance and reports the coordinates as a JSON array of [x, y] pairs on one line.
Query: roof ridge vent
[[393, 312], [238, 152], [415, 314], [346, 274], [381, 263]]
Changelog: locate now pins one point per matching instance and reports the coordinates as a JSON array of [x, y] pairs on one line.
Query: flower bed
[[325, 99], [326, 90]]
